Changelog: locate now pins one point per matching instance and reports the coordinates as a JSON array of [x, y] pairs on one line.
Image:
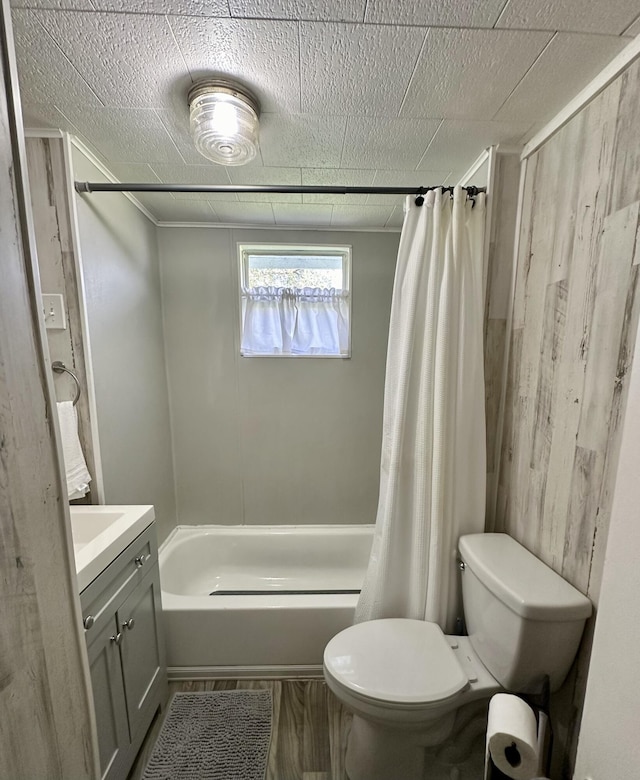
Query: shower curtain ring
[[420, 196]]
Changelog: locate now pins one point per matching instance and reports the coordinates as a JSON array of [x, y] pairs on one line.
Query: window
[[295, 300]]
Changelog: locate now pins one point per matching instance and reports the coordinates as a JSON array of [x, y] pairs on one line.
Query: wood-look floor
[[309, 729]]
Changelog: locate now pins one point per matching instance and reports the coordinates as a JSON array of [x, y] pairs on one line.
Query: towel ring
[[59, 367]]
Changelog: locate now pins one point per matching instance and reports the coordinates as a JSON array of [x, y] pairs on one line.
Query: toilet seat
[[399, 662]]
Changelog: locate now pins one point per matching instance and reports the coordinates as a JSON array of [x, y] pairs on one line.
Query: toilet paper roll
[[512, 737]]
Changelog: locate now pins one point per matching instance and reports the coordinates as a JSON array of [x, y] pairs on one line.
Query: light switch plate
[[54, 314]]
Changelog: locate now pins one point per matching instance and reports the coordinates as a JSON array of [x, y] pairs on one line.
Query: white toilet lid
[[395, 660]]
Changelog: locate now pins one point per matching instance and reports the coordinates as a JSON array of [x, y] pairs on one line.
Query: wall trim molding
[[608, 74], [492, 161], [84, 319], [250, 226], [490, 520], [244, 672], [478, 163], [45, 132], [107, 173]]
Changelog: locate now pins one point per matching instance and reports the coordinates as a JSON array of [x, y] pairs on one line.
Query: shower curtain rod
[[90, 186]]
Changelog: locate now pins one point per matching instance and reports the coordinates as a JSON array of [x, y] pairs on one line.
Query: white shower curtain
[[433, 464]]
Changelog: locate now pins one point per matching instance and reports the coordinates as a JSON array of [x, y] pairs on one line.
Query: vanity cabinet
[[121, 611]]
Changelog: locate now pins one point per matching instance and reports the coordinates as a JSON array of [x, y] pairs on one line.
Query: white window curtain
[[288, 321], [432, 473]]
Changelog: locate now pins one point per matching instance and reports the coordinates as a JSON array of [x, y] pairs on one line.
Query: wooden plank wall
[[45, 711], [53, 232], [574, 325]]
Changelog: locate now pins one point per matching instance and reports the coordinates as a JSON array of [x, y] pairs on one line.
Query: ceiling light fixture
[[224, 121]]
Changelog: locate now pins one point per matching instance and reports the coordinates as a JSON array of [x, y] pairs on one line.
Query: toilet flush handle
[[462, 565]]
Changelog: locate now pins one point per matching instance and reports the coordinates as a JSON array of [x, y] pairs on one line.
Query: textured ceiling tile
[[44, 115], [130, 60], [212, 197], [46, 75], [261, 54], [403, 179], [379, 142], [186, 7], [192, 174], [166, 208], [255, 174], [457, 175], [397, 217], [301, 139], [535, 128], [132, 172], [320, 10], [613, 16], [634, 28], [328, 177], [360, 216], [75, 5], [125, 134], [349, 71], [446, 13], [238, 213], [470, 73], [357, 69], [195, 174], [302, 214], [459, 142], [578, 57]]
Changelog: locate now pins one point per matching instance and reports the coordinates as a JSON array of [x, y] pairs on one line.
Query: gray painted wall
[[120, 262], [271, 440]]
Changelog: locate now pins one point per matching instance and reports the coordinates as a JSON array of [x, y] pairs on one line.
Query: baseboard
[[243, 672]]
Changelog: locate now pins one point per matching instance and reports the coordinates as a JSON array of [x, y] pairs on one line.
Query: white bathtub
[[266, 632]]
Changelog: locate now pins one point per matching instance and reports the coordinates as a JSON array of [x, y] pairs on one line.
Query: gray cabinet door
[[143, 664], [109, 699]]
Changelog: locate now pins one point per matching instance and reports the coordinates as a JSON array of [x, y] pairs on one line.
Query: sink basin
[[101, 533], [87, 524]]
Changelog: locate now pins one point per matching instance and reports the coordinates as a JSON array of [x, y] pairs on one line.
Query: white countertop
[[101, 533]]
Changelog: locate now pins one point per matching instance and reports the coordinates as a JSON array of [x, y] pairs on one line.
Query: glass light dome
[[224, 122]]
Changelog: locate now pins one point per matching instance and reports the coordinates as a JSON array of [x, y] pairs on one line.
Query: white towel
[[78, 476]]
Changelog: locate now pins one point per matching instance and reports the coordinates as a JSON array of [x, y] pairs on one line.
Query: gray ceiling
[[356, 92]]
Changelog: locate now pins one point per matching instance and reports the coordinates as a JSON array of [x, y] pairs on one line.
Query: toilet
[[405, 680]]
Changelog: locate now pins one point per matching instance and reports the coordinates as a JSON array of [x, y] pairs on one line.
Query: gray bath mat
[[222, 735]]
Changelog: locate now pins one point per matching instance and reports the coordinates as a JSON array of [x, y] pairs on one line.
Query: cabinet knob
[[88, 621], [117, 638], [141, 560], [129, 624]]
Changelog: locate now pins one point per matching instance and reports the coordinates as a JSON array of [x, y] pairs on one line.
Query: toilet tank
[[524, 621]]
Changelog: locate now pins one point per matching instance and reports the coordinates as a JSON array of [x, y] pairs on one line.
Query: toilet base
[[452, 747], [375, 752]]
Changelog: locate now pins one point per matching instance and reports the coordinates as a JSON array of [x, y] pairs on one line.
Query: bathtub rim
[[335, 528], [185, 601]]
